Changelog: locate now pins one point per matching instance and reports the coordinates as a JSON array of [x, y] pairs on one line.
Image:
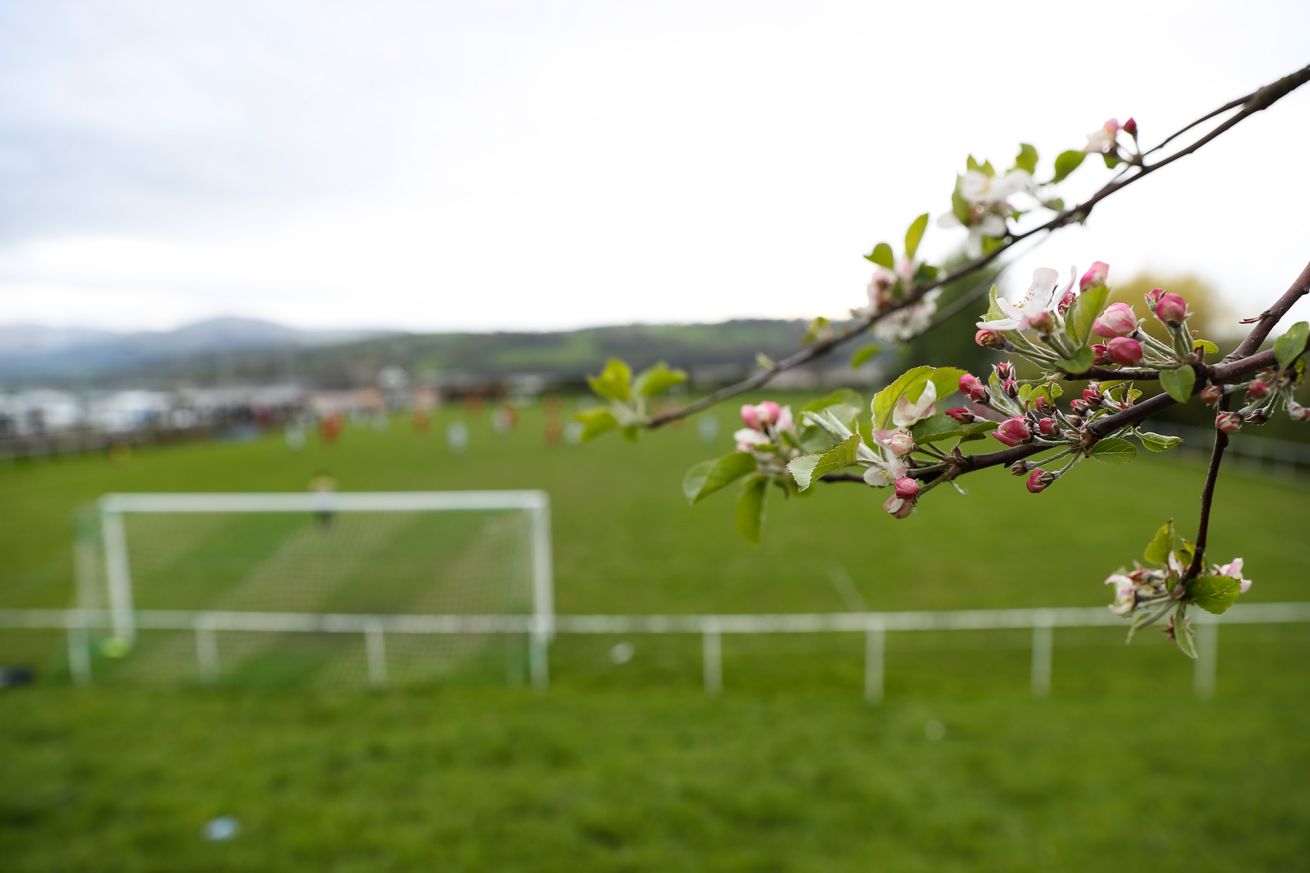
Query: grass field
[[627, 766]]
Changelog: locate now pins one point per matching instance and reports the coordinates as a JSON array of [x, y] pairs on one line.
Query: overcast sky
[[539, 165]]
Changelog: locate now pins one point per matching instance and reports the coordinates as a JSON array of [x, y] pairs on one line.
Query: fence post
[[874, 652], [375, 646], [1042, 642], [206, 650], [79, 651], [712, 654], [1207, 645]]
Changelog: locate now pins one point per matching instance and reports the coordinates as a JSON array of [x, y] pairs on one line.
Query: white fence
[[875, 626]]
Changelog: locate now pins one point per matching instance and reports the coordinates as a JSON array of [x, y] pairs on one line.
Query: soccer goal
[[280, 587]]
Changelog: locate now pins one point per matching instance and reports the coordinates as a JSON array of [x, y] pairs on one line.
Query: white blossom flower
[[1102, 140], [908, 412], [910, 321], [1125, 593], [1035, 301], [1234, 569]]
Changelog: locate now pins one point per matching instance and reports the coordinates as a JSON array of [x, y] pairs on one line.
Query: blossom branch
[[1207, 500], [1252, 103]]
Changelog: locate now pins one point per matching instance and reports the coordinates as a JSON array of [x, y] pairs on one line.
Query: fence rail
[[374, 629]]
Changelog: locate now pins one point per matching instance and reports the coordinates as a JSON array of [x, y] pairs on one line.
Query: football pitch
[[624, 764]]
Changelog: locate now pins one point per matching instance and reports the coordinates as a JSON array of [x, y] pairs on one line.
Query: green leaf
[[882, 256], [1066, 163], [1081, 361], [1206, 346], [1158, 549], [595, 422], [1158, 442], [914, 235], [885, 400], [707, 477], [959, 206], [864, 354], [1184, 633], [808, 468], [1290, 344], [1026, 159], [943, 427], [614, 382], [658, 379], [1178, 383], [750, 508], [840, 397], [1214, 593], [1113, 451], [1085, 309]]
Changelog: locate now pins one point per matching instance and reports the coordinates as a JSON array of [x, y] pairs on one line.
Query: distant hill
[[246, 350], [31, 353]]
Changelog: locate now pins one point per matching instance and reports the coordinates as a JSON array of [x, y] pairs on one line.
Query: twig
[[1207, 499], [1252, 103]]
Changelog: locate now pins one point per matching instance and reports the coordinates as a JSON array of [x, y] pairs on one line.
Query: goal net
[[318, 588]]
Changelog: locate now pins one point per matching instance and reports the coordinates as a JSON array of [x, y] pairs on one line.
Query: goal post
[[210, 556]]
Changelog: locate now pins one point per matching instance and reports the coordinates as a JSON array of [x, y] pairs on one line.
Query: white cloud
[[543, 165]]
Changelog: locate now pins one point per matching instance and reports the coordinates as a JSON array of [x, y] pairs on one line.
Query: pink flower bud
[[907, 488], [1228, 422], [1018, 468], [1118, 319], [769, 412], [1096, 274], [1010, 387], [988, 339], [1297, 412], [1100, 353], [1074, 420], [900, 443], [1042, 322], [1092, 393], [1042, 404], [898, 507], [1130, 127], [1111, 126], [1038, 480], [1066, 300], [1257, 389], [1046, 426], [972, 387], [1170, 308], [1013, 431], [1004, 370], [751, 416], [962, 415], [1080, 406], [1124, 350], [1212, 394]]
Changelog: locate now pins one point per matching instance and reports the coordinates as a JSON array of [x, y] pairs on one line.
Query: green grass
[[628, 766]]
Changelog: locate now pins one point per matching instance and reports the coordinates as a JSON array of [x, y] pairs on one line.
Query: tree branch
[[1207, 499], [1250, 104]]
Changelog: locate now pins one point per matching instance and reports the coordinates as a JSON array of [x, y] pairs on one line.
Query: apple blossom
[[1233, 569], [1118, 319], [1096, 274], [1130, 127], [964, 416], [1212, 394], [898, 507], [1257, 389], [1170, 308], [1035, 301], [1046, 426], [1124, 350], [1297, 412], [1038, 479], [988, 339], [1125, 593], [898, 442], [1013, 431], [1100, 353], [749, 440], [908, 412], [1102, 140], [1228, 422], [908, 489]]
